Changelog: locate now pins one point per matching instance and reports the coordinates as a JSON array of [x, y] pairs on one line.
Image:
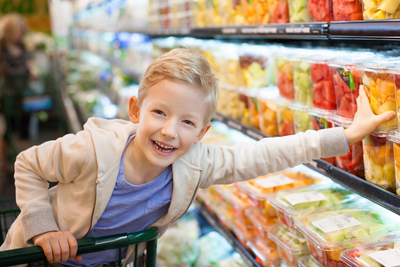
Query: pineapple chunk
[[370, 4], [379, 15], [389, 6], [397, 15], [368, 14]]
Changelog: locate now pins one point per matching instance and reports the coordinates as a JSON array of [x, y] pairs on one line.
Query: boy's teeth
[[163, 148]]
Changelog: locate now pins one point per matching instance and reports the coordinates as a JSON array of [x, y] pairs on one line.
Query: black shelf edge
[[356, 184], [247, 257]]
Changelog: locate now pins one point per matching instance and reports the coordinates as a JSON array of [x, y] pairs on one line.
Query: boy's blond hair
[[185, 65]]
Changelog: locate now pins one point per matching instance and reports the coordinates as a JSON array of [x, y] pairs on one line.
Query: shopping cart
[[85, 245]]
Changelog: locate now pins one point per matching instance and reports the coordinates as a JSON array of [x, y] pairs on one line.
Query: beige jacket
[[86, 165]]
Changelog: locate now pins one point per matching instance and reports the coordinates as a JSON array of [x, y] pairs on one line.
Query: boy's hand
[[365, 121], [58, 246]]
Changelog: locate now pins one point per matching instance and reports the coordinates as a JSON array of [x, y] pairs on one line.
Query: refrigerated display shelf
[[247, 257], [358, 185]]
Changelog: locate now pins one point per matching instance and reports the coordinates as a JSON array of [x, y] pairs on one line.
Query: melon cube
[[368, 14], [389, 6]]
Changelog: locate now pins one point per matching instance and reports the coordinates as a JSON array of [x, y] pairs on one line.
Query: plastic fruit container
[[298, 11], [353, 161], [260, 188], [329, 233], [231, 65], [290, 246], [242, 232], [309, 261], [292, 204], [394, 136], [279, 11], [244, 109], [285, 118], [213, 14], [254, 65], [232, 12], [265, 252], [199, 13], [321, 10], [262, 225], [384, 9], [377, 254], [268, 108], [253, 104], [379, 160], [284, 76], [347, 10], [262, 13], [223, 211], [239, 203], [222, 104], [302, 80], [397, 84], [249, 12], [347, 80], [233, 103], [380, 88], [301, 119]]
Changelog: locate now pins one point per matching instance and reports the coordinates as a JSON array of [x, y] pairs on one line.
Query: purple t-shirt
[[131, 208]]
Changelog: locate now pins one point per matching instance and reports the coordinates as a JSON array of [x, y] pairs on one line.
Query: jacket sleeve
[[245, 161], [59, 161]]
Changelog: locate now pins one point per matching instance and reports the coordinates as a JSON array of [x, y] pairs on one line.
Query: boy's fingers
[[55, 247], [73, 246], [64, 246], [78, 258], [47, 250], [385, 117]]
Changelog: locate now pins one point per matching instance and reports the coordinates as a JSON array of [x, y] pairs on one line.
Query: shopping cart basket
[[85, 245]]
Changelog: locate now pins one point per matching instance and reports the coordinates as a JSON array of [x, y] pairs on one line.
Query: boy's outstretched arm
[[365, 121]]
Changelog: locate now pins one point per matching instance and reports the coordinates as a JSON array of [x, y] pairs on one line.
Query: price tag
[[274, 181], [305, 197], [234, 125], [336, 223], [388, 258], [254, 135]]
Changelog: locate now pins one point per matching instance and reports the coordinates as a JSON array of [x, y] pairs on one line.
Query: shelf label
[[298, 30], [254, 135], [305, 197], [347, 77], [336, 223], [259, 30], [273, 181], [388, 258], [229, 30], [234, 125], [218, 117]]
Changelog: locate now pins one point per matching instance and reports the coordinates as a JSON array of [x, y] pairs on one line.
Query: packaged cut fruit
[[284, 75], [379, 254], [394, 136], [302, 79], [245, 100], [353, 161], [262, 225], [262, 12], [379, 160], [298, 11], [321, 10], [223, 211], [254, 65], [293, 204], [268, 109], [309, 261], [199, 13], [346, 79], [242, 232], [249, 11], [344, 10], [291, 247], [285, 118], [222, 104], [380, 88], [396, 73], [232, 12], [265, 252], [301, 119], [329, 233], [233, 102], [253, 104], [239, 203], [279, 11], [383, 9], [213, 13], [260, 188]]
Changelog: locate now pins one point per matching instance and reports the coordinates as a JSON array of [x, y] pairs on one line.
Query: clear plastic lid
[[321, 113], [254, 50], [323, 56], [300, 201], [351, 59], [377, 65], [282, 101], [263, 250], [341, 121], [261, 222], [302, 55], [268, 93], [347, 227], [308, 261], [298, 107], [288, 241]]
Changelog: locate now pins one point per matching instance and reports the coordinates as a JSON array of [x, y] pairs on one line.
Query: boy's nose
[[169, 130]]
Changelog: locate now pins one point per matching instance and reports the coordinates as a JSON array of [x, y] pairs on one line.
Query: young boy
[[120, 177]]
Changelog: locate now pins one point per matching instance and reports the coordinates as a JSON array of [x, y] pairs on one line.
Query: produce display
[[254, 65], [242, 232], [378, 254], [395, 138], [266, 253], [244, 109], [291, 204], [233, 103], [213, 13], [309, 261], [347, 79], [384, 9], [379, 160], [222, 105], [239, 203], [232, 12], [285, 120], [302, 82], [268, 117], [347, 10], [298, 11], [279, 11], [329, 233], [323, 90], [321, 10], [262, 13], [254, 111], [284, 77], [290, 246], [262, 225], [199, 13], [257, 190], [397, 84], [380, 88]]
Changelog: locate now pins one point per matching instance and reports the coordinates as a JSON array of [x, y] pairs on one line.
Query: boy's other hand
[[58, 246], [365, 121]]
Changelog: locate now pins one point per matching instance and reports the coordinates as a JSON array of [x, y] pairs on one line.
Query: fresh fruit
[[321, 10], [302, 121], [302, 82], [323, 87], [298, 10], [347, 10], [279, 11], [285, 121], [381, 9], [268, 117], [284, 78], [254, 70], [353, 161]]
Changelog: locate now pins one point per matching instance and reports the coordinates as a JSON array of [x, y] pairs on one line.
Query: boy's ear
[[134, 111], [203, 132]]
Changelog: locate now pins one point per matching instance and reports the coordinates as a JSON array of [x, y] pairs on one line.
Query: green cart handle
[[88, 245]]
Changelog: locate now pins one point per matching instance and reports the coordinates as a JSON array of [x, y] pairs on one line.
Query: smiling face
[[171, 120]]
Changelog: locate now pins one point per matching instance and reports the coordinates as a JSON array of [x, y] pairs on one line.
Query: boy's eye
[[188, 122], [159, 112]]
